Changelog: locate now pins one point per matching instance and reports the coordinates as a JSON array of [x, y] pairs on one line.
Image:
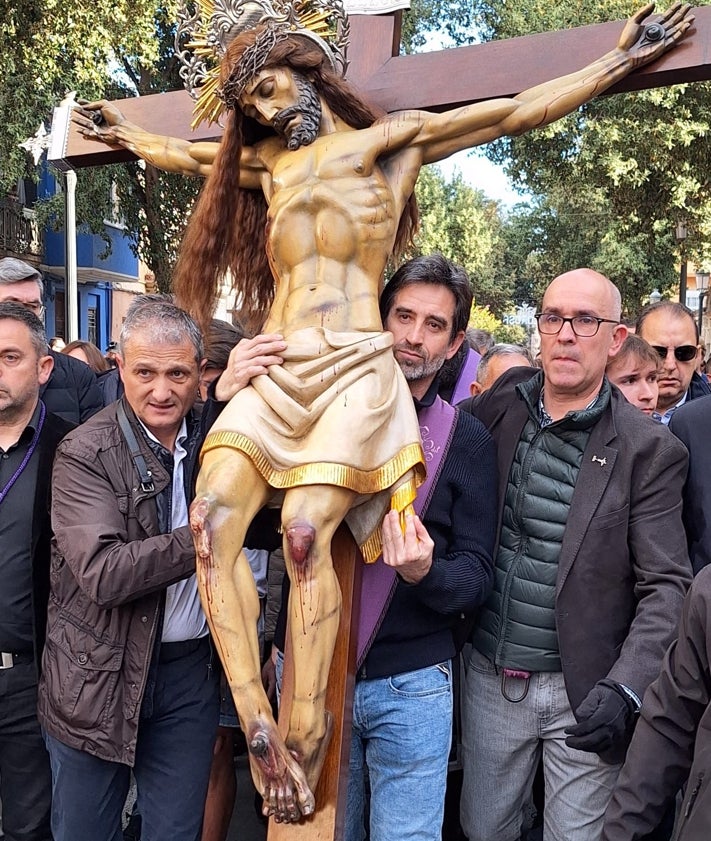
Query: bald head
[[600, 290], [574, 364]]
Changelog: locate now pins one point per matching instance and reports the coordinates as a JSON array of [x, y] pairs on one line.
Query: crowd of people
[[552, 551]]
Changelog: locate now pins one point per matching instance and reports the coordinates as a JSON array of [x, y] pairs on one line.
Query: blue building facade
[[99, 276]]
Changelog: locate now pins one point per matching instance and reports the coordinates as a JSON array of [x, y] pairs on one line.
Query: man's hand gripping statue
[[321, 421]]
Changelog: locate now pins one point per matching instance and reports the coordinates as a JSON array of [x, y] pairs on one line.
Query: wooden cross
[[445, 78]]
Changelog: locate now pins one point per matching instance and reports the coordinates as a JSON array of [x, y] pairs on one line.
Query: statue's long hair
[[227, 230]]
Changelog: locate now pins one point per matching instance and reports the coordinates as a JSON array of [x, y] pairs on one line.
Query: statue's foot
[[279, 777], [312, 759]]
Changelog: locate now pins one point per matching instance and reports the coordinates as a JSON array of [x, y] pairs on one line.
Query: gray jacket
[[623, 569]]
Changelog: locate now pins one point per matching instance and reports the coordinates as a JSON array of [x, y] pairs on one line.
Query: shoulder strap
[[144, 473]]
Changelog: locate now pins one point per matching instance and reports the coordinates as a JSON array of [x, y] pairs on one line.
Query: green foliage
[[51, 47], [101, 50], [463, 225], [610, 181], [453, 18], [481, 318]]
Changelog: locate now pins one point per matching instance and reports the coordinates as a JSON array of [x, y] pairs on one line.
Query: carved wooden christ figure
[[308, 194]]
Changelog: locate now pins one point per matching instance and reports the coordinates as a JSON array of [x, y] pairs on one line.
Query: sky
[[481, 173], [476, 169]]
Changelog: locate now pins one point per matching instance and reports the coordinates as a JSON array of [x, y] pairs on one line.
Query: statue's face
[[286, 101]]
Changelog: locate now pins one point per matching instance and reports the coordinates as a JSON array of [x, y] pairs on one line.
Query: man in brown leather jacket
[[127, 670]]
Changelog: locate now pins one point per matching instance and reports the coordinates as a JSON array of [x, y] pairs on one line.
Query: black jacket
[[71, 391], [623, 570], [691, 423], [419, 627], [698, 387], [54, 429], [672, 740]]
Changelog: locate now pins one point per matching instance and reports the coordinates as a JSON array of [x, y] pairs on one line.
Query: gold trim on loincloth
[[401, 501], [322, 473]]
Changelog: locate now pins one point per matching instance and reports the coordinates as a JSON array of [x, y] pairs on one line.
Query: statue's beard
[[308, 108]]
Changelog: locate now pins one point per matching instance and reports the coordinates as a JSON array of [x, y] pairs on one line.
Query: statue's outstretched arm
[[643, 40], [169, 153]]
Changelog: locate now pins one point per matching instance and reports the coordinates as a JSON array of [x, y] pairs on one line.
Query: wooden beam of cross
[[434, 81]]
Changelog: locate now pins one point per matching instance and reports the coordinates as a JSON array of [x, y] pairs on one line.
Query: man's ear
[[455, 344], [619, 334], [45, 366], [476, 388]]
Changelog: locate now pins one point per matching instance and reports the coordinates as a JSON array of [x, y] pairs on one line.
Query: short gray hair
[[13, 311], [13, 270], [163, 321], [480, 340], [500, 350]]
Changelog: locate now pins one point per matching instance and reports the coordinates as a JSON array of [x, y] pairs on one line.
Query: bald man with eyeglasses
[[72, 391], [590, 573]]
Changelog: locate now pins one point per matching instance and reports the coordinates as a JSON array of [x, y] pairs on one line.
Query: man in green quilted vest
[[591, 571]]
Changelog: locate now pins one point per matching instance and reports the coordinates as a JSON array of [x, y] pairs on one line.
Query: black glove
[[606, 719]]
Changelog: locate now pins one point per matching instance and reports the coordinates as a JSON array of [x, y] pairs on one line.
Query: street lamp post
[[702, 284], [680, 234]]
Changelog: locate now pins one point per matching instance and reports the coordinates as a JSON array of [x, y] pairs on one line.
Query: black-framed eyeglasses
[[584, 326], [683, 353]]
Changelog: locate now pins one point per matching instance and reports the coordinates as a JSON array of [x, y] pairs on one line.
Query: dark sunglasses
[[683, 353]]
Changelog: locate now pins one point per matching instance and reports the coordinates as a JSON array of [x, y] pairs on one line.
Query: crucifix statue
[[308, 194]]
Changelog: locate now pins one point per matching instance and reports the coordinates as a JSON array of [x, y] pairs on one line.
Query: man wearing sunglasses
[[590, 573], [671, 329]]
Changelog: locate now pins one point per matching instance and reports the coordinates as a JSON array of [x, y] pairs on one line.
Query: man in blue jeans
[[437, 570]]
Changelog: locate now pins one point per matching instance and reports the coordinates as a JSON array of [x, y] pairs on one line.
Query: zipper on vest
[[516, 512]]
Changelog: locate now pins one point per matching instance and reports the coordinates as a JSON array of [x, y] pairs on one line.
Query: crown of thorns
[[252, 61], [206, 28]]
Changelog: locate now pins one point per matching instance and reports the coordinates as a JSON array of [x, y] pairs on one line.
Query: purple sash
[[378, 581], [466, 377]]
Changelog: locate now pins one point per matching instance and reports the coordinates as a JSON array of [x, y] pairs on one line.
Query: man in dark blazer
[[591, 571], [691, 424], [28, 438]]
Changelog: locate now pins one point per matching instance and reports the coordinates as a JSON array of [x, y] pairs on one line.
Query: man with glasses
[[672, 331], [590, 574], [72, 391]]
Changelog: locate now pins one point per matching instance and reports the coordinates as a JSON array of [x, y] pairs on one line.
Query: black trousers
[[176, 734], [25, 777]]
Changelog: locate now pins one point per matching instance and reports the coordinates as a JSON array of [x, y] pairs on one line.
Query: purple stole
[[378, 581], [466, 377]]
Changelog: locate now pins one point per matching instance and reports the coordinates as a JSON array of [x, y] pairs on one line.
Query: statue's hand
[[248, 359], [409, 551], [647, 37], [98, 120]]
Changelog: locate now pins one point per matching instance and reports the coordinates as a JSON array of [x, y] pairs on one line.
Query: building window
[[59, 323], [92, 328]]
